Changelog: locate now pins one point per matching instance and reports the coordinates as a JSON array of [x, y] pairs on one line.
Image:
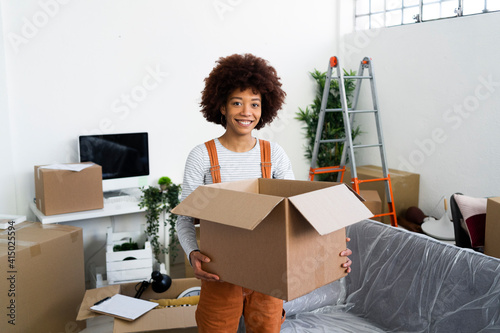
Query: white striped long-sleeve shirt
[[233, 166]]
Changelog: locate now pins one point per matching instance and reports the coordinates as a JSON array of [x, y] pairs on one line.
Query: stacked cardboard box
[[65, 191], [492, 232], [42, 279], [405, 187], [372, 202]]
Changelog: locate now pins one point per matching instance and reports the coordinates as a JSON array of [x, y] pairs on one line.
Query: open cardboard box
[[280, 237], [169, 319]]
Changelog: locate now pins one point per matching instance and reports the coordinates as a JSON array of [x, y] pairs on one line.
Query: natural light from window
[[371, 14]]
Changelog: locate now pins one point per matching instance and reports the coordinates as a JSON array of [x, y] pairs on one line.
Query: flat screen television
[[124, 158]]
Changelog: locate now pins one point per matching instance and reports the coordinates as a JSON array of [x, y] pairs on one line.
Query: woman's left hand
[[345, 253]]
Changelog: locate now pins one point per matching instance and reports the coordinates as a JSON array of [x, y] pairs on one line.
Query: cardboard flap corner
[[229, 207], [331, 208], [92, 296]]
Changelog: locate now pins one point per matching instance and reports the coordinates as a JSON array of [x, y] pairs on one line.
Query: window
[[386, 13]]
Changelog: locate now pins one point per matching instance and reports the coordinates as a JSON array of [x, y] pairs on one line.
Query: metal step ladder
[[348, 146]]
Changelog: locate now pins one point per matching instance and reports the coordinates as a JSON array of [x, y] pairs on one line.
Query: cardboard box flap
[[173, 318], [233, 208], [92, 296], [331, 209]]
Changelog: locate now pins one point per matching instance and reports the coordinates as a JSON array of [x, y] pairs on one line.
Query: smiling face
[[242, 111]]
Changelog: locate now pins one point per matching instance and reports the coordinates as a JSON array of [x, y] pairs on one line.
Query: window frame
[[418, 18]]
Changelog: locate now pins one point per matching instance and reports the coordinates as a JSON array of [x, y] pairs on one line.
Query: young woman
[[242, 93]]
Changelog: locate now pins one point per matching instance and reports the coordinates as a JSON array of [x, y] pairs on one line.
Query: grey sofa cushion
[[407, 282]]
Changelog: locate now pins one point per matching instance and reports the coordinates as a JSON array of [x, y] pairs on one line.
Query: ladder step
[[352, 77], [332, 140], [362, 111], [350, 110], [367, 146]]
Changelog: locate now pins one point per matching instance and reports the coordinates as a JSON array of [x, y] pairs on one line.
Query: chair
[[462, 239]]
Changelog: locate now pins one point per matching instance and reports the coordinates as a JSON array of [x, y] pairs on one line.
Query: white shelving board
[[113, 209]]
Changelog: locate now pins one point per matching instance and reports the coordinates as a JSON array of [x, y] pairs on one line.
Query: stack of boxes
[[405, 187]]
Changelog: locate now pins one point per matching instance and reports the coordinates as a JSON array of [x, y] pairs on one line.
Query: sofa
[[403, 282]]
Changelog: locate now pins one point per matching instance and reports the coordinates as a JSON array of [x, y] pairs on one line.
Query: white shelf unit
[[128, 266], [109, 210], [113, 209]]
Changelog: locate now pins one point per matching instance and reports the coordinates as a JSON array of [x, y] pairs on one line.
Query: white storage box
[[128, 266]]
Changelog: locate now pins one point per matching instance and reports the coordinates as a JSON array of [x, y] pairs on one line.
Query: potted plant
[[158, 201], [329, 153]]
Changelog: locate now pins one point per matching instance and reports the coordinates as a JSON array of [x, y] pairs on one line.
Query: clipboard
[[123, 307]]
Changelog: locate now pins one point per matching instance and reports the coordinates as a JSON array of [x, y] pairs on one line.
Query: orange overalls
[[221, 303]]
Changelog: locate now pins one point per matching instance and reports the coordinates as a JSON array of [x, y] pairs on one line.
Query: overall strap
[[265, 158], [214, 161]]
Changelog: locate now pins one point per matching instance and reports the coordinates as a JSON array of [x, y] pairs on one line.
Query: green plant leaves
[[157, 203]]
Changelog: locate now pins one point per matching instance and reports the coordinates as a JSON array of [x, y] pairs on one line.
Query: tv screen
[[119, 155]]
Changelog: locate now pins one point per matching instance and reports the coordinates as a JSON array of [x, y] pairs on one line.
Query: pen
[[102, 300]]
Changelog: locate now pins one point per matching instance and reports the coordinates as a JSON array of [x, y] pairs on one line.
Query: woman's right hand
[[196, 258]]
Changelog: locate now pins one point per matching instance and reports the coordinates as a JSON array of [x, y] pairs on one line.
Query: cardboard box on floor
[[405, 187], [176, 319], [42, 279], [372, 202], [279, 237], [492, 228], [66, 191]]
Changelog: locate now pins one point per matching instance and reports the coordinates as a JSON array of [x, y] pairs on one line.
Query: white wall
[[7, 194], [70, 66], [439, 93]]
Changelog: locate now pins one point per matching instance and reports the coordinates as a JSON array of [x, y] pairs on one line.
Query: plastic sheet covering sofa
[[403, 282]]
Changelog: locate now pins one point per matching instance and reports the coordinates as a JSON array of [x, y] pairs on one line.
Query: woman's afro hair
[[243, 72]]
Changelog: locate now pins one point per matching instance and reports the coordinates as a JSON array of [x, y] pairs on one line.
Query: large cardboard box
[[372, 202], [65, 191], [492, 228], [279, 237], [175, 319], [42, 279], [405, 187]]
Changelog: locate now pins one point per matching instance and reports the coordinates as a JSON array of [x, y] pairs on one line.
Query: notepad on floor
[[124, 307]]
